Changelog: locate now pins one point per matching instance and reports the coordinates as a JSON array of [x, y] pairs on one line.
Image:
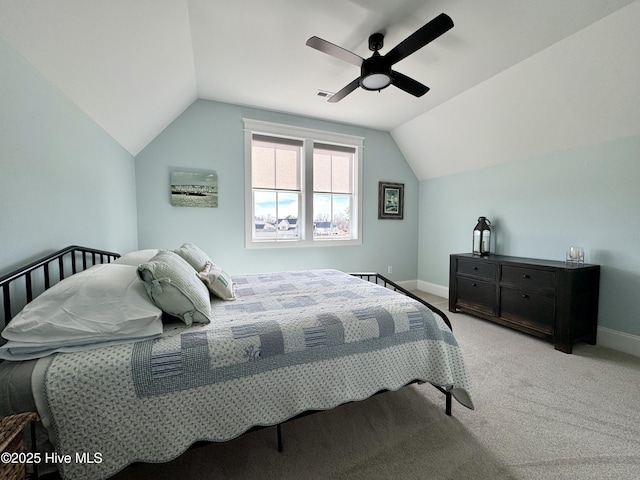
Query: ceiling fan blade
[[420, 38], [335, 51], [345, 91], [407, 84]]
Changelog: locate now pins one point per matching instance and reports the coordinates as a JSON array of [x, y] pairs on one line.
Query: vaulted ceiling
[[512, 79]]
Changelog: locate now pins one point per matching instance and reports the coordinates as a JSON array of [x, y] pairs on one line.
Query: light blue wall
[[63, 179], [209, 135], [587, 197]]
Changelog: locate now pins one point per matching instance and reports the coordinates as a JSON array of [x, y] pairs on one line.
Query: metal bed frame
[[24, 284]]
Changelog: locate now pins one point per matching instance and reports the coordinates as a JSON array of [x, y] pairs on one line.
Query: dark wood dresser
[[545, 298]]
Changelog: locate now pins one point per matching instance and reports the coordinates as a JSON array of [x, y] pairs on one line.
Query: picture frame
[[390, 201], [194, 188]]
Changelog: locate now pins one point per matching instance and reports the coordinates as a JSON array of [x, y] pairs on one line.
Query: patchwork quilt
[[290, 342]]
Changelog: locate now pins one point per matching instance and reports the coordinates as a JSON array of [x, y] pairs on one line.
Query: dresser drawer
[[528, 309], [477, 268], [477, 295], [545, 298], [529, 277]]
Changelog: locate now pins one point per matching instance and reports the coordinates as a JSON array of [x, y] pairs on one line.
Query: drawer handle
[[474, 284], [525, 296], [475, 268], [526, 276]]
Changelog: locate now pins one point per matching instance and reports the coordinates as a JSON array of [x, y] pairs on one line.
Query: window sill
[[303, 243]]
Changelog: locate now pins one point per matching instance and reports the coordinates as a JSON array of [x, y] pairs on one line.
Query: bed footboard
[[23, 285]]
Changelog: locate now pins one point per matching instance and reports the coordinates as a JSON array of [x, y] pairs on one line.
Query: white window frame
[[309, 137]]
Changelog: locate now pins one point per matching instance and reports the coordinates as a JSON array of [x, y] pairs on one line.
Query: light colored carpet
[[540, 414]]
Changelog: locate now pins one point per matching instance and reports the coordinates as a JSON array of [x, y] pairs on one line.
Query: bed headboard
[[26, 283]]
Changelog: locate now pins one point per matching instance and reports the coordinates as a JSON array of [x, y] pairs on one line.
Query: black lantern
[[482, 237]]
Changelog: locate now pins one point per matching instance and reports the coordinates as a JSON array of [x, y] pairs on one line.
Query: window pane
[[287, 204], [321, 172], [287, 224], [275, 215], [331, 215], [275, 163], [341, 174], [322, 224], [287, 169], [265, 215], [321, 207], [333, 169], [342, 214], [263, 171]]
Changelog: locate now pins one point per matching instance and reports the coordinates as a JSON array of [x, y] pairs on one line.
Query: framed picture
[[194, 189], [390, 200]]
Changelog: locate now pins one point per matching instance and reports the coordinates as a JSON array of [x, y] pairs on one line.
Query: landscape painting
[[194, 189]]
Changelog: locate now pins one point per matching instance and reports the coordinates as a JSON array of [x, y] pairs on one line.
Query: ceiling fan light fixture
[[375, 81], [375, 73]]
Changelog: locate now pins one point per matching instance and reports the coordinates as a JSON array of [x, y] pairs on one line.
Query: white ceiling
[[541, 75]]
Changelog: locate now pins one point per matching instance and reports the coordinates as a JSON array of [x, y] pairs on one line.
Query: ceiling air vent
[[324, 94]]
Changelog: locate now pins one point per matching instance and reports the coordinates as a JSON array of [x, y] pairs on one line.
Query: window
[[276, 187], [332, 190], [302, 186]]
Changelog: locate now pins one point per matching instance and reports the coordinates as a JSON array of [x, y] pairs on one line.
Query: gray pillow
[[194, 256], [174, 287]]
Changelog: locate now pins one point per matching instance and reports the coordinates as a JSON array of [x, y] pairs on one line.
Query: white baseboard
[[433, 288], [607, 337], [621, 341], [410, 285]]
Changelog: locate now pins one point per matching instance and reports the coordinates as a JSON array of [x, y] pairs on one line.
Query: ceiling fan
[[375, 71]]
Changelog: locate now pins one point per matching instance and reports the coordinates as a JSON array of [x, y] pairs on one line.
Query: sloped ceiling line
[[135, 65]]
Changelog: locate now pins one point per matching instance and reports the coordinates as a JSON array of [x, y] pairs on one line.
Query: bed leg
[[279, 436], [448, 396]]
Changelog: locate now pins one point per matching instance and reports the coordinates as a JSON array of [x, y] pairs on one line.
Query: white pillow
[[17, 351], [193, 255], [137, 257], [172, 284], [103, 303], [217, 281]]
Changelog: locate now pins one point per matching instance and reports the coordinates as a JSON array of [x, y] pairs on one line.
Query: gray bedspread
[[291, 342], [15, 387]]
